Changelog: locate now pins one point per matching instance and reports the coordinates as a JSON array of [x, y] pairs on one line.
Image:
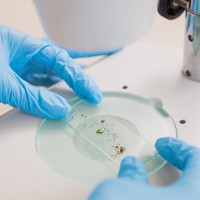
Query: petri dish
[[89, 145]]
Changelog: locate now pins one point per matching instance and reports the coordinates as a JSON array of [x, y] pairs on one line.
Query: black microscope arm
[[169, 9]]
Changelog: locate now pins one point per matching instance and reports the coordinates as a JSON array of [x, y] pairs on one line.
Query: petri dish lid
[[89, 145]]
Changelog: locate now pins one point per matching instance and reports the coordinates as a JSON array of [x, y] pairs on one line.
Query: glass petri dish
[[89, 145]]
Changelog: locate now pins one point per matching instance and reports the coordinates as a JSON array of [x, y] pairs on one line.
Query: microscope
[[99, 26], [171, 9], [151, 71], [165, 77]]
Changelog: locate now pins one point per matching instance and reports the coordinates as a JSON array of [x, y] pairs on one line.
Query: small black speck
[[190, 38], [182, 121], [188, 73], [102, 121], [125, 87]]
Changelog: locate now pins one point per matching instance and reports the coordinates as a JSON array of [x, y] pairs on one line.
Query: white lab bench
[[150, 70]]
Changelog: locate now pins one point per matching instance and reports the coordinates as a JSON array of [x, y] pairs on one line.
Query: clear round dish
[[89, 145]]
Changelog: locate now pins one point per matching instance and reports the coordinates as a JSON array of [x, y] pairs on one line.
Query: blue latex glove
[[18, 52], [40, 76], [132, 182]]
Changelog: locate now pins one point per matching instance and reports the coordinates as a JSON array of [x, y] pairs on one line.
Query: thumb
[[36, 101], [131, 168], [182, 155]]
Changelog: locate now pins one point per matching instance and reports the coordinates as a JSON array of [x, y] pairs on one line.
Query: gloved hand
[[39, 75], [132, 182], [19, 52]]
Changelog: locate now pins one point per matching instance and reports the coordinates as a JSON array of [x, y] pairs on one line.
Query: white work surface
[[147, 70]]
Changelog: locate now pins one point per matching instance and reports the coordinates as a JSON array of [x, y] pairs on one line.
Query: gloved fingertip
[[95, 98], [86, 88], [165, 147], [133, 169], [53, 106], [131, 163], [169, 143], [64, 112], [161, 142], [177, 152]]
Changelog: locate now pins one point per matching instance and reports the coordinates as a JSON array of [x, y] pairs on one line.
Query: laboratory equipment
[[89, 145], [171, 9], [162, 80], [133, 181], [99, 25], [22, 170], [118, 23], [106, 33]]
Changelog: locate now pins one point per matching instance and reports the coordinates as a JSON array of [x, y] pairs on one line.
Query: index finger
[[132, 169], [58, 60], [30, 49]]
